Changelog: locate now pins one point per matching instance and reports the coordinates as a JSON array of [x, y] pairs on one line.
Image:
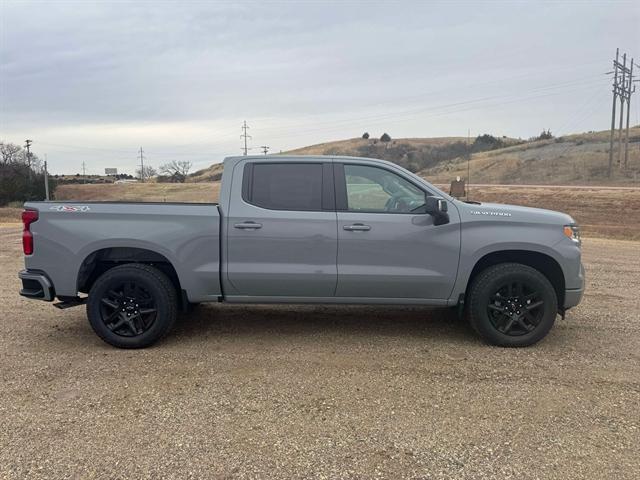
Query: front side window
[[376, 190], [285, 186]]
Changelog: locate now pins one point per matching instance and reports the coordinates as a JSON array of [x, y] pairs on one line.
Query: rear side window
[[284, 186]]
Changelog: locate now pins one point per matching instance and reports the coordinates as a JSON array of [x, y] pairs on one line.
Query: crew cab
[[296, 229]]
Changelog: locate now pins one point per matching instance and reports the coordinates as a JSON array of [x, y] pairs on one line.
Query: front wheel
[[512, 305], [132, 306]]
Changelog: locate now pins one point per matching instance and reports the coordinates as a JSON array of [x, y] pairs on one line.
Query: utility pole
[[623, 84], [623, 88], [141, 157], [265, 149], [244, 135], [613, 111], [630, 89], [46, 179], [27, 145], [468, 162], [84, 172]]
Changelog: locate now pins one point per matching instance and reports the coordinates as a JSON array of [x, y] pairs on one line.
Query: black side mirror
[[437, 207]]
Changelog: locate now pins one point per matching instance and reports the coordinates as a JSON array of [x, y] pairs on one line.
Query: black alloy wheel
[[128, 309], [511, 305], [516, 308], [132, 305]]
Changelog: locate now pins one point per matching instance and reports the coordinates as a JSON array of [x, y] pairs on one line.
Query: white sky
[[94, 81]]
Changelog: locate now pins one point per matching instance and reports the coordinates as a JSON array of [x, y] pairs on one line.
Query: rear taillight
[[28, 217]]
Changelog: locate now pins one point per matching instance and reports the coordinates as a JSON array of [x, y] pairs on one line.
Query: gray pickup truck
[[291, 229]]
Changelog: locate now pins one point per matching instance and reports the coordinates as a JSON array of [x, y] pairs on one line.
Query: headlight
[[573, 233]]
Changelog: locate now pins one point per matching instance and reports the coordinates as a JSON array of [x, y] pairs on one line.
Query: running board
[[68, 302]]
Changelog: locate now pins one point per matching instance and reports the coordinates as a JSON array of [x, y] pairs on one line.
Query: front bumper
[[36, 285], [573, 296]]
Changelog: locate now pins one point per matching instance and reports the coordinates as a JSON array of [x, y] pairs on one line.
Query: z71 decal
[[70, 208]]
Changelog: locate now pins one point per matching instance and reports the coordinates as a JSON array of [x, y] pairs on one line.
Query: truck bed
[[69, 235]]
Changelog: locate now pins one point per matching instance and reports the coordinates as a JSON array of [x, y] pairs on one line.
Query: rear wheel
[[512, 305], [132, 306]]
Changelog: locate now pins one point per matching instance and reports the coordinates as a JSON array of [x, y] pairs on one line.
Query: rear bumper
[[36, 285], [573, 296]]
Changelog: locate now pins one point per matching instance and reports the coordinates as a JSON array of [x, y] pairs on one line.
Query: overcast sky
[[94, 81]]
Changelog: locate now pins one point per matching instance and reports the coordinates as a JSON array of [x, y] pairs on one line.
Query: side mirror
[[437, 207]]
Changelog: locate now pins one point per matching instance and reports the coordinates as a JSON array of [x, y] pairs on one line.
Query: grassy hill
[[210, 174], [580, 159], [353, 146]]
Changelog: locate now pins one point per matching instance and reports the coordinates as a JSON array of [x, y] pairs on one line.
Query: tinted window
[[371, 189], [286, 186]]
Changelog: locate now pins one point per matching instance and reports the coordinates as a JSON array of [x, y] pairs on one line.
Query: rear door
[[386, 247], [281, 233]]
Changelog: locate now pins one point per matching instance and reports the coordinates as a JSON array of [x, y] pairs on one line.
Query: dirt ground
[[324, 392]]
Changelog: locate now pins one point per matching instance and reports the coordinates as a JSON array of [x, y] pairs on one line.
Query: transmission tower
[[244, 136], [141, 157], [265, 149]]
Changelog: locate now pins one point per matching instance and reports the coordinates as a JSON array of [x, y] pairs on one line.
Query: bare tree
[[10, 153], [149, 172], [177, 170]]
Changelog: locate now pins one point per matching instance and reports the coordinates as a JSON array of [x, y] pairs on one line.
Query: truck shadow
[[328, 320]]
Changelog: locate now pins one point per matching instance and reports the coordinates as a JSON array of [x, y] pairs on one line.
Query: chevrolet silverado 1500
[[292, 229]]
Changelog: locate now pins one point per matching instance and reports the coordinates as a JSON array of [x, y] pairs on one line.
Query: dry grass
[[210, 174], [351, 145], [142, 192], [10, 214], [579, 159]]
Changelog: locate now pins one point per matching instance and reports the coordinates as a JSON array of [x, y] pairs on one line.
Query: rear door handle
[[356, 227], [248, 225]]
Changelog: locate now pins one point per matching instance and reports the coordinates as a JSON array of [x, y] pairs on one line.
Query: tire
[[132, 306], [512, 305]]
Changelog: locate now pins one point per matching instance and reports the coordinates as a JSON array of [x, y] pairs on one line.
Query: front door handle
[[357, 227], [248, 225]]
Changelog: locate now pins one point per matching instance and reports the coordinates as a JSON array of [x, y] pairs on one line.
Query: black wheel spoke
[[534, 305], [128, 309], [526, 326], [117, 325], [514, 308], [508, 325], [112, 317], [110, 303]]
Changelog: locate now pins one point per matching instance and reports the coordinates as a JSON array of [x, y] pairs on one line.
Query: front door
[[281, 236], [386, 247]]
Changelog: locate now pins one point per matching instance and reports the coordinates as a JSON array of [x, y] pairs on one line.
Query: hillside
[[353, 146], [210, 174], [580, 159]]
